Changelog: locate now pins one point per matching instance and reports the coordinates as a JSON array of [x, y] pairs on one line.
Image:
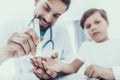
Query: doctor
[[54, 39]]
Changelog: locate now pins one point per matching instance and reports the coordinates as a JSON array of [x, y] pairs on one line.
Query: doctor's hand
[[94, 71], [42, 74], [40, 70], [23, 43], [37, 61]]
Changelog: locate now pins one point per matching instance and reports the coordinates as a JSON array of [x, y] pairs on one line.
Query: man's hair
[[67, 3], [90, 12]]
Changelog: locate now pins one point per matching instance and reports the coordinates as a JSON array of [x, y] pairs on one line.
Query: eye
[[46, 8], [88, 26], [97, 22]]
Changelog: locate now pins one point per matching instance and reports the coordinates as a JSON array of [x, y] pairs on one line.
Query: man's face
[[96, 27], [48, 11]]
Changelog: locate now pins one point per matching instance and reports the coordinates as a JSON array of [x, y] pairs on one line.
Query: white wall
[[12, 10], [113, 11]]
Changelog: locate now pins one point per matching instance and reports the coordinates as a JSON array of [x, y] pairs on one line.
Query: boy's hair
[[90, 12]]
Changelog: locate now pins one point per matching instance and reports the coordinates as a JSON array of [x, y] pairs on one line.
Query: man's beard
[[42, 28]]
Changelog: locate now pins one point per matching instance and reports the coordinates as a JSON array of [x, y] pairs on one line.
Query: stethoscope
[[47, 42]]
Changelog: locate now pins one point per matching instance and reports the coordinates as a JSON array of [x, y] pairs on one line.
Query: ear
[[36, 1]]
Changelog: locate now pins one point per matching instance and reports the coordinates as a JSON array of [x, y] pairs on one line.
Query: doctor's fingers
[[23, 42], [35, 72], [41, 74], [30, 42], [52, 73], [45, 65], [36, 61], [33, 35], [18, 50]]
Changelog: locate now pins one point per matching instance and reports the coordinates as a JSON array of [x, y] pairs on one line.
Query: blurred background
[[22, 10], [12, 10]]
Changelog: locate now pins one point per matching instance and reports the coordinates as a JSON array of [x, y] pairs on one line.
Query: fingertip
[[40, 70], [48, 72], [55, 55], [44, 64], [52, 73]]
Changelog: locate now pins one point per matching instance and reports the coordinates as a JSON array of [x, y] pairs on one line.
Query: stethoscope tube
[[51, 36], [50, 40]]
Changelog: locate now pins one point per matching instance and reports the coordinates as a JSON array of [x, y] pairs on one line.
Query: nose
[[48, 17], [93, 27]]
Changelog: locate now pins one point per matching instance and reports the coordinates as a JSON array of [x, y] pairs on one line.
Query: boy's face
[[48, 11], [96, 27]]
